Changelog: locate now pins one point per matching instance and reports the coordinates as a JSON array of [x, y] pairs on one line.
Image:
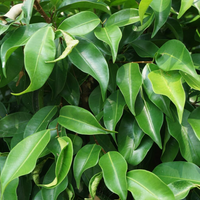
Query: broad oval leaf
[[39, 48], [146, 185], [80, 23], [85, 56], [22, 158], [161, 9], [185, 5], [86, 158], [80, 120], [129, 81], [111, 35], [173, 55], [170, 85], [114, 169]]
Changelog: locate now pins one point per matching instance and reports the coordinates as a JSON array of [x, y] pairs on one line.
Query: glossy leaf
[[149, 119], [173, 55], [76, 141], [29, 150], [129, 81], [144, 4], [113, 110], [17, 39], [80, 120], [80, 24], [14, 123], [185, 5], [28, 8], [44, 50], [114, 169], [161, 10], [112, 80], [86, 158], [124, 17], [140, 187], [170, 85], [111, 35], [189, 144], [84, 56], [40, 120]]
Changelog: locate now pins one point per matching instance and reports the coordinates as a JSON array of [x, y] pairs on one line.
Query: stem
[[99, 145]]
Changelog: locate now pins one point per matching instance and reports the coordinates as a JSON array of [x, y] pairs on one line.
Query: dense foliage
[[99, 99]]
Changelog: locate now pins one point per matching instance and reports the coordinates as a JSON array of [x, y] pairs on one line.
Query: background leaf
[[185, 5]]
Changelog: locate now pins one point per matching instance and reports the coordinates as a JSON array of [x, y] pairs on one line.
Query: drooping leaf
[[111, 35], [114, 169], [86, 158], [129, 81], [84, 56], [40, 120], [161, 9], [185, 5], [170, 85], [80, 120], [80, 24], [22, 158], [144, 4], [39, 48], [146, 185]]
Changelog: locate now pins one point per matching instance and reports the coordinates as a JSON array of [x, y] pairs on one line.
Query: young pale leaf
[[185, 5], [113, 110], [111, 35], [149, 119], [80, 120], [85, 56], [70, 42], [144, 4], [161, 9], [63, 162], [146, 185], [178, 170], [170, 85], [124, 17], [129, 81], [189, 144], [86, 158], [80, 24], [93, 184], [40, 120], [39, 49], [22, 158], [173, 55], [114, 169], [17, 39]]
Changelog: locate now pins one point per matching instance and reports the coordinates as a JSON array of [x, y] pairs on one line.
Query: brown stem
[[41, 11], [99, 145]]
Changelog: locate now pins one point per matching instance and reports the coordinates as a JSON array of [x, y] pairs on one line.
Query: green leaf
[[63, 162], [161, 9], [146, 185], [175, 171], [189, 144], [144, 4], [114, 169], [129, 81], [185, 5], [80, 23], [3, 110], [70, 42], [124, 17], [76, 141], [22, 158], [193, 119], [84, 57], [170, 85], [39, 48], [13, 124], [17, 39], [173, 55], [40, 120], [80, 120], [86, 158], [111, 35], [149, 118], [113, 110], [28, 8]]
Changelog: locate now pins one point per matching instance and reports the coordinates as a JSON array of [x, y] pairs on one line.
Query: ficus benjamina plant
[[99, 99]]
